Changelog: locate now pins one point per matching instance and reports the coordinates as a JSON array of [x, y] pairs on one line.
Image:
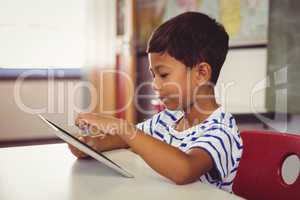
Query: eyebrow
[[156, 67]]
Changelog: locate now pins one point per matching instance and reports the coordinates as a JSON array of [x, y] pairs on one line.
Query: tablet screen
[[75, 138]]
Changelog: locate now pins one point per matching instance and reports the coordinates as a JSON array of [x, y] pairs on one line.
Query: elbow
[[181, 182], [183, 178], [186, 176], [187, 172]]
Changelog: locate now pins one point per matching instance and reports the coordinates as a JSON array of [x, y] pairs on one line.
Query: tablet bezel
[[86, 148]]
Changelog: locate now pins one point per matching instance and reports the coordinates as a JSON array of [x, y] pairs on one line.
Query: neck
[[200, 110]]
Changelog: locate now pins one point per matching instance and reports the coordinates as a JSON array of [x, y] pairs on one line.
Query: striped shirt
[[218, 135]]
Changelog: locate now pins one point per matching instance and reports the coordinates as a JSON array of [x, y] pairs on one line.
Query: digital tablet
[[69, 138]]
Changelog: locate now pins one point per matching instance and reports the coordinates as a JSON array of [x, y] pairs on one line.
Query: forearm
[[162, 157], [111, 142]]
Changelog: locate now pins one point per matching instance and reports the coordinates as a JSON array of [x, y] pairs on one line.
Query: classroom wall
[[94, 51], [18, 120], [37, 33], [242, 73]]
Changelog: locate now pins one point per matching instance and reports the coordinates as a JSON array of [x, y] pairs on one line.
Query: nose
[[156, 84]]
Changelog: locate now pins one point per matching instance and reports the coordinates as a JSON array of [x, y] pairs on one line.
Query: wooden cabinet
[[125, 60]]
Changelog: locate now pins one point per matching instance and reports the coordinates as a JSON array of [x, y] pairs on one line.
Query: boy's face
[[175, 84]]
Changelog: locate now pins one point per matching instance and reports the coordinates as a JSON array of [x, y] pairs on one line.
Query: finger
[[82, 138], [79, 153], [84, 119], [79, 121], [86, 115], [90, 127], [73, 149], [79, 118], [89, 140], [76, 152]]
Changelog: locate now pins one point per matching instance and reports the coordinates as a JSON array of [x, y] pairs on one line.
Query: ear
[[202, 72]]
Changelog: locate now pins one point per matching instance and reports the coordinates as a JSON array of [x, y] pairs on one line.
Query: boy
[[193, 134]]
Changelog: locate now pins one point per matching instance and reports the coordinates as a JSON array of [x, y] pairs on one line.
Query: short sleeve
[[148, 125], [217, 142]]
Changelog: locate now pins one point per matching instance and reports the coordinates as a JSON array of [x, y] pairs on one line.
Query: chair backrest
[[259, 173]]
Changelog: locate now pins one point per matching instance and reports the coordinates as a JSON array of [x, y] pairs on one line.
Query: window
[[37, 34]]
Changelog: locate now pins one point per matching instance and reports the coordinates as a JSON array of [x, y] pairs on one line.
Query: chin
[[171, 106]]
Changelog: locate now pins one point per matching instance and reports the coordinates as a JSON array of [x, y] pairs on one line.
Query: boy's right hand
[[91, 141]]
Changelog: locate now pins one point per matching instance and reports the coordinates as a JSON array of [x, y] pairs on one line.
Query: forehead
[[159, 57], [158, 60]]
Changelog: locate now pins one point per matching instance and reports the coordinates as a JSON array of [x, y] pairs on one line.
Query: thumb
[[88, 140]]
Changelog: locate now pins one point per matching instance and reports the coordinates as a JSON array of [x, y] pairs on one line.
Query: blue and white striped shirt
[[218, 135]]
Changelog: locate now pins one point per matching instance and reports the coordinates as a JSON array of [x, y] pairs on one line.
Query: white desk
[[51, 172]]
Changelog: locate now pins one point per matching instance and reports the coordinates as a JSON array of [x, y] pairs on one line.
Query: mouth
[[162, 98]]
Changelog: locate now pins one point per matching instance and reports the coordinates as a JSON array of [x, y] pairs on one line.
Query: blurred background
[[61, 57]]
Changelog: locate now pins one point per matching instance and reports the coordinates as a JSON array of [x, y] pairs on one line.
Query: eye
[[163, 75]]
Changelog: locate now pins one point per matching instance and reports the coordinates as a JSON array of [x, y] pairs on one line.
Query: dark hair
[[192, 38]]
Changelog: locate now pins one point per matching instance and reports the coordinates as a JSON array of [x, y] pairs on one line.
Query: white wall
[[243, 72], [36, 33], [18, 107], [101, 33], [55, 33], [40, 34]]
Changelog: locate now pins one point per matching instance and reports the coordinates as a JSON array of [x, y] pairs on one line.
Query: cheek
[[178, 97], [175, 88], [178, 85], [178, 92]]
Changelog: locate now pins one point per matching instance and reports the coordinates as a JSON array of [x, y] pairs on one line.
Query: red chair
[[259, 173]]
